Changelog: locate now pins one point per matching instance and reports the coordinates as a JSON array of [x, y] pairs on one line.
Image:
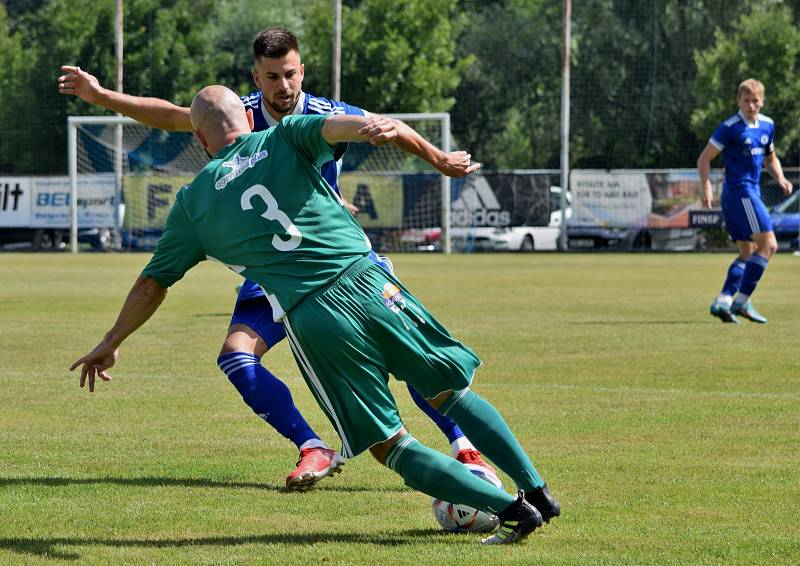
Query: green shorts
[[348, 337]]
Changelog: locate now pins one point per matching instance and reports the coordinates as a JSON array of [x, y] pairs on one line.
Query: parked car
[[514, 238], [786, 223]]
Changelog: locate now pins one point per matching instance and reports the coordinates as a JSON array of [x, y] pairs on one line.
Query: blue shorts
[[744, 212], [254, 311]]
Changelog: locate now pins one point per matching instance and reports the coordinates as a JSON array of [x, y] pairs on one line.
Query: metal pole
[[565, 66], [118, 131], [446, 144], [336, 64], [72, 163]]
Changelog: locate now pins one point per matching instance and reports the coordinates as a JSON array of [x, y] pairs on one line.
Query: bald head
[[218, 117]]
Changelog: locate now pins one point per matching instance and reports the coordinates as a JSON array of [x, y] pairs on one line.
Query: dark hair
[[274, 42]]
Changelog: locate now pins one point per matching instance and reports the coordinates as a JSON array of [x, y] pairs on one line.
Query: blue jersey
[[744, 147], [306, 104]]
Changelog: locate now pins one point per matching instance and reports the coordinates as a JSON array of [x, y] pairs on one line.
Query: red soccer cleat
[[314, 464], [470, 456]]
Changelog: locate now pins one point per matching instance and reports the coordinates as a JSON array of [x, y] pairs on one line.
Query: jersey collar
[[753, 124], [298, 109]]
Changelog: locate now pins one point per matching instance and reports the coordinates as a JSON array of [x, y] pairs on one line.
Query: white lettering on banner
[[477, 205], [611, 199]]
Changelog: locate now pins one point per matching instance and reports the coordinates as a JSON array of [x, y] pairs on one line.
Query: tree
[[167, 54], [235, 26], [764, 44], [396, 57]]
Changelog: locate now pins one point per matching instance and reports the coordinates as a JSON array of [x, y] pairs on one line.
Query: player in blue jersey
[[747, 141], [278, 73]]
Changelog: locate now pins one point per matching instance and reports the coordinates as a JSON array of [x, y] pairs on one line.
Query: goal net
[[124, 177]]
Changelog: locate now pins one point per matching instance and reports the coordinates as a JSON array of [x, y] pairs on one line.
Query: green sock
[[441, 476], [487, 430]]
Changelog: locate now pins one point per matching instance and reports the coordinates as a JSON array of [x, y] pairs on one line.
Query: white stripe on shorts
[[752, 218], [315, 383]]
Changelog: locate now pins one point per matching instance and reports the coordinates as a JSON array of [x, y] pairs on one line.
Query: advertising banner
[[15, 202], [503, 199], [51, 198], [379, 198], [148, 198], [610, 199]]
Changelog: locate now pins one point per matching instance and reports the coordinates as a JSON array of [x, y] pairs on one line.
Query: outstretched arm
[[773, 166], [453, 164], [153, 112], [143, 300], [378, 130]]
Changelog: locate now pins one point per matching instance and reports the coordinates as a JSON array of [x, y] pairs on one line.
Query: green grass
[[669, 437]]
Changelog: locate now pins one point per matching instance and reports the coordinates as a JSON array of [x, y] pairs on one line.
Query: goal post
[[404, 203], [124, 176]]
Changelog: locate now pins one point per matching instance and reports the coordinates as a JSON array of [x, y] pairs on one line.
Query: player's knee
[[241, 338]]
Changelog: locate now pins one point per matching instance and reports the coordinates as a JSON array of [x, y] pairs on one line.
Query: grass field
[[668, 437]]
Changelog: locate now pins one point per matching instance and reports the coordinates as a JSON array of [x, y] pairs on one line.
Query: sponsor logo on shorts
[[393, 297]]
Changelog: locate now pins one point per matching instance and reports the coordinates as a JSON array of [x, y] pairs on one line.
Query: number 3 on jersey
[[273, 213]]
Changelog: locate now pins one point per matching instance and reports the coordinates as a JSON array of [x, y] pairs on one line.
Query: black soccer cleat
[[544, 503], [517, 521]]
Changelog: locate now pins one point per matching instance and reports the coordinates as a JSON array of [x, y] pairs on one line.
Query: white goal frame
[[74, 122]]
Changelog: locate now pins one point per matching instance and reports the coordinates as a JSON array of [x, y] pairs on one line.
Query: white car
[[514, 238]]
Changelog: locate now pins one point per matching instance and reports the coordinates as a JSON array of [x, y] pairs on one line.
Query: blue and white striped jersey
[[744, 147]]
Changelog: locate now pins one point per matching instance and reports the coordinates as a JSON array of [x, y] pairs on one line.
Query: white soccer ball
[[457, 518]]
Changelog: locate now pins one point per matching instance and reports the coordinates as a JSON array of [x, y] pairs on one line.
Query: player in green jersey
[[262, 207]]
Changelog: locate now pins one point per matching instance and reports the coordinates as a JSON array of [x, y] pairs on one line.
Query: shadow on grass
[[189, 482], [640, 322], [48, 547]]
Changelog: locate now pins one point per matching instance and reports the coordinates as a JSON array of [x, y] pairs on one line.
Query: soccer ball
[[457, 518]]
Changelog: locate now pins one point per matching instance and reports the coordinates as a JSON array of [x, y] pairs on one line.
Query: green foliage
[[649, 80], [236, 23], [396, 57], [509, 98], [13, 74], [763, 44]]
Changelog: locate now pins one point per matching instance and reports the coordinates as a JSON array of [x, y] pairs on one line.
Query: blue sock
[[447, 425], [267, 395], [734, 279], [753, 271]]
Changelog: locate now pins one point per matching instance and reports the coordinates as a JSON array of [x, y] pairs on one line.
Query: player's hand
[[79, 83], [379, 130], [786, 186], [708, 195], [351, 208], [95, 363], [457, 164]]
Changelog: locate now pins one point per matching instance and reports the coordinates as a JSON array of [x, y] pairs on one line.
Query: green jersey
[[262, 208]]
